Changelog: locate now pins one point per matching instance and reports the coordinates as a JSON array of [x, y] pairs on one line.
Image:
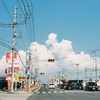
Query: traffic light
[[42, 73], [51, 60], [5, 70]]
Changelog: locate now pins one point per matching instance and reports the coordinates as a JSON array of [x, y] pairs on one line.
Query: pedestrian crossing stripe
[[43, 92], [61, 91], [67, 92], [55, 91], [49, 92]]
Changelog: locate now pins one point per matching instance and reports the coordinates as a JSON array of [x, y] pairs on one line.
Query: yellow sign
[[17, 77]]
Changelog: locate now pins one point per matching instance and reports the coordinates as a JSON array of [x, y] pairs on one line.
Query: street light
[[77, 73], [95, 66], [63, 72]]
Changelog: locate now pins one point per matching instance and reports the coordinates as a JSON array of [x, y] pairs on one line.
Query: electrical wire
[[33, 21], [6, 41], [6, 9]]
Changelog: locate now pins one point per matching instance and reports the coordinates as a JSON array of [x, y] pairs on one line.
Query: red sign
[[15, 68], [22, 79], [57, 78], [15, 65], [50, 77], [9, 55]]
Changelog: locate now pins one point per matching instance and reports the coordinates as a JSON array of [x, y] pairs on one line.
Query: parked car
[[68, 86], [51, 86], [62, 86], [3, 85], [91, 86], [78, 86]]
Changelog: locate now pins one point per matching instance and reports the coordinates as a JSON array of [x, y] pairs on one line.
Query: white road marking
[[61, 91], [43, 92], [49, 91], [37, 92], [55, 91]]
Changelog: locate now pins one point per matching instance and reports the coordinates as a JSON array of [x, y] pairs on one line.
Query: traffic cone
[[25, 89]]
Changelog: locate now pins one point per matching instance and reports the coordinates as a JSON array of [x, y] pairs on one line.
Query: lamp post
[[63, 72], [77, 73], [95, 66]]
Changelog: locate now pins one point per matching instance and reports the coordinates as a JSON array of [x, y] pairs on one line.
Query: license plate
[[93, 88], [69, 87], [80, 87]]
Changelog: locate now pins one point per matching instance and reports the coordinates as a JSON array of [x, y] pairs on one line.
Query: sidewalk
[[32, 90]]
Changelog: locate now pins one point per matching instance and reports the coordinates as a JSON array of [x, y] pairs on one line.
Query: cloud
[[51, 39], [64, 55]]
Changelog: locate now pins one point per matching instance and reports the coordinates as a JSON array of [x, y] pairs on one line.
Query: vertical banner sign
[[17, 77]]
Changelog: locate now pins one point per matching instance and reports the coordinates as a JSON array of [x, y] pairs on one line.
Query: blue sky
[[75, 20]]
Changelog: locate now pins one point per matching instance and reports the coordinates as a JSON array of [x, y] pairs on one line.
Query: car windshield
[[51, 84], [92, 84], [79, 84], [69, 85]]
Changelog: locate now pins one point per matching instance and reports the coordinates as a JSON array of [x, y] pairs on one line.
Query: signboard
[[57, 78], [9, 56], [50, 76], [16, 65], [17, 77]]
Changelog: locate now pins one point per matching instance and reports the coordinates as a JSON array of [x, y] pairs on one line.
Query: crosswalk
[[68, 92]]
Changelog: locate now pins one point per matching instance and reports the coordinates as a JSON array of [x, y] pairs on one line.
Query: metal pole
[[26, 66], [14, 35], [29, 69], [59, 77], [95, 68], [85, 74], [77, 73]]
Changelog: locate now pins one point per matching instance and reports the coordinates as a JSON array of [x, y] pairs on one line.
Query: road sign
[[28, 64], [25, 72], [28, 67]]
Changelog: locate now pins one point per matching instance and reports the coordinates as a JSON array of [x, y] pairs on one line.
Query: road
[[54, 94]]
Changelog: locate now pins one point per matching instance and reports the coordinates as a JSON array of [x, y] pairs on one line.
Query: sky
[[66, 30]]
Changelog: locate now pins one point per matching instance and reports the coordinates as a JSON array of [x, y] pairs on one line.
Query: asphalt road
[[53, 94], [60, 94]]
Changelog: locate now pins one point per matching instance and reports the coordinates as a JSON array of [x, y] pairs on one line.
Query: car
[[3, 85], [51, 86], [91, 86], [68, 86], [62, 86], [78, 86]]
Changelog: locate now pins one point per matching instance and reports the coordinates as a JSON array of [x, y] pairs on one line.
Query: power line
[[7, 9], [6, 41]]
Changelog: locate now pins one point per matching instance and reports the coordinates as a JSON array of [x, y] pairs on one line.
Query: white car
[[51, 86]]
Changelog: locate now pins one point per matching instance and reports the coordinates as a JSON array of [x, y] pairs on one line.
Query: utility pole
[[26, 65], [59, 77], [77, 73], [95, 66], [63, 72], [85, 74], [29, 69], [13, 49]]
